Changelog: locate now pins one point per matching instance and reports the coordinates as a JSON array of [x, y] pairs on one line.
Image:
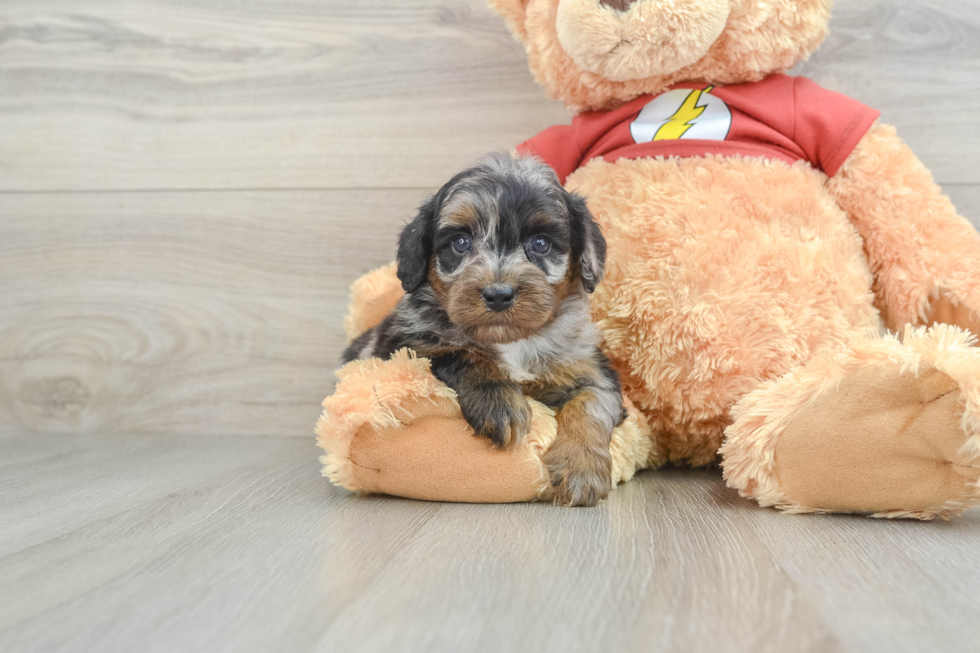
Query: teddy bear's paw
[[580, 476], [946, 309], [498, 412], [885, 441]]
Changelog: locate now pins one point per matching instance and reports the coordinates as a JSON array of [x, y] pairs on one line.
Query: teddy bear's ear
[[514, 13], [588, 243]]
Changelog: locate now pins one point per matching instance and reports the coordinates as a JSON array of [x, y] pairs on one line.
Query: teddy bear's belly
[[721, 273]]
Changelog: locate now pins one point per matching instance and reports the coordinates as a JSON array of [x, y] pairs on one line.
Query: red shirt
[[786, 118]]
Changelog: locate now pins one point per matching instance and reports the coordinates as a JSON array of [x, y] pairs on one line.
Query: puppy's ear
[[415, 247], [588, 243]]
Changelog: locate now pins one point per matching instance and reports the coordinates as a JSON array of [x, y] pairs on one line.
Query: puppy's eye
[[462, 244], [540, 245]]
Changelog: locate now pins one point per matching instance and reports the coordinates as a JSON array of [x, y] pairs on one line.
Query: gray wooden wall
[[187, 187]]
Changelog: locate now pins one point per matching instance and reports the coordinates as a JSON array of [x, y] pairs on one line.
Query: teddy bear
[[788, 293]]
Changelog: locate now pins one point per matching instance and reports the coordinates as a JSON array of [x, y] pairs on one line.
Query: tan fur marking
[[439, 287], [462, 215]]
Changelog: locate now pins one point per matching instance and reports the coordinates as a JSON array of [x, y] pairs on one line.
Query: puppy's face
[[501, 261], [502, 245]]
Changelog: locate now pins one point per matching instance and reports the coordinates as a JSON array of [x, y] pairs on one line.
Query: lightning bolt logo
[[680, 122]]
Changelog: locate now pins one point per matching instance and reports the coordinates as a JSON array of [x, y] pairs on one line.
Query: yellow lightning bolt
[[681, 121]]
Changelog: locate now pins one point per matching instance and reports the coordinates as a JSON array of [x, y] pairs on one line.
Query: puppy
[[496, 268]]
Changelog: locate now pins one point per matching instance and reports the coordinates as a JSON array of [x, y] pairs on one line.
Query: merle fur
[[493, 404]]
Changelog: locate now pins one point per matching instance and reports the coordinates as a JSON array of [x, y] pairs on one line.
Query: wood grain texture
[[195, 286], [109, 476], [394, 93], [253, 551], [913, 60], [919, 570], [257, 93], [134, 310], [966, 198], [216, 313], [189, 313]]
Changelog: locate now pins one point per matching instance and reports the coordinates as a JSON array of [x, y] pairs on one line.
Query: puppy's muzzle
[[499, 297]]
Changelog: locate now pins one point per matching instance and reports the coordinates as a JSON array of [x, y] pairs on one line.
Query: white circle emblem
[[683, 114]]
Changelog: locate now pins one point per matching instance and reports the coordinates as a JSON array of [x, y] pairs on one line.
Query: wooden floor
[[186, 190], [183, 543]]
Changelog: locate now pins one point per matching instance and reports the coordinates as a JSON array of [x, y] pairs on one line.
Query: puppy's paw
[[579, 476], [498, 412]]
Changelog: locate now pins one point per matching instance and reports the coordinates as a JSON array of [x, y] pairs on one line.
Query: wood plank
[[859, 575], [188, 313], [231, 563], [105, 475], [269, 557], [181, 312], [662, 565], [395, 93], [967, 201], [257, 94], [262, 554]]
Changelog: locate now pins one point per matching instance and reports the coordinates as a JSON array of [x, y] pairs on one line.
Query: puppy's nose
[[499, 297], [618, 5]]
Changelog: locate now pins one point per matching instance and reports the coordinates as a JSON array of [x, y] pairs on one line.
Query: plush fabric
[[759, 38], [783, 118], [372, 297], [711, 285], [391, 427], [746, 304], [923, 255], [884, 427]]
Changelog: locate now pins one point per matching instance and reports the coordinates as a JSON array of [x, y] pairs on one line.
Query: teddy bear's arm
[[924, 256]]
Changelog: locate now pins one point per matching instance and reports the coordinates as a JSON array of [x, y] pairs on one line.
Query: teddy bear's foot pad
[[947, 310], [883, 442]]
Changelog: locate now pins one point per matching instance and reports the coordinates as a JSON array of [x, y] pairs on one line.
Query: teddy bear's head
[[596, 54]]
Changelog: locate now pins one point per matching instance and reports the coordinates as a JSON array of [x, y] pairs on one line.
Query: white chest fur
[[571, 336]]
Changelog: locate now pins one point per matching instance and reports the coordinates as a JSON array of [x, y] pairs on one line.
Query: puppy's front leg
[[579, 460], [491, 403]]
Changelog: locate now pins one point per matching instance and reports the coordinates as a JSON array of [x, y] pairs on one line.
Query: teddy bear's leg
[[924, 256], [372, 297], [392, 428], [888, 428]]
